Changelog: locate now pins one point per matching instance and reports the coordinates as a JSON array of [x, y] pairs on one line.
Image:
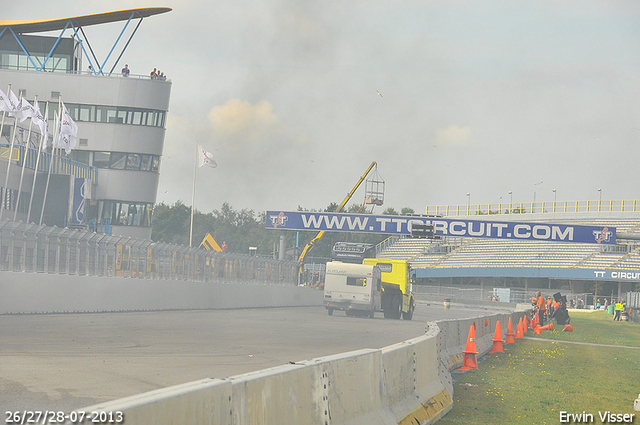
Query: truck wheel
[[386, 307], [330, 311], [409, 314], [396, 304]]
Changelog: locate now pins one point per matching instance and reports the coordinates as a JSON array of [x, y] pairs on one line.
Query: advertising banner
[[453, 227], [80, 195]]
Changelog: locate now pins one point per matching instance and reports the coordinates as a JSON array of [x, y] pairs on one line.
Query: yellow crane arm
[[340, 207]]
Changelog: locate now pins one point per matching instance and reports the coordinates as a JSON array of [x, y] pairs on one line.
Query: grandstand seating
[[472, 252]]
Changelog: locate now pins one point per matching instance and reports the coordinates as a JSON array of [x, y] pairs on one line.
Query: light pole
[[510, 198], [600, 201], [468, 199], [554, 196]]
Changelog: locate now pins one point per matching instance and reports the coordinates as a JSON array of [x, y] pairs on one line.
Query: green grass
[[596, 327], [532, 381]]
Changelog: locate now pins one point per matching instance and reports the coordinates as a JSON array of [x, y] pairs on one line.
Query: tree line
[[241, 229]]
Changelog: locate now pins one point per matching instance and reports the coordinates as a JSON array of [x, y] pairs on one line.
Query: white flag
[[42, 121], [5, 103], [67, 131], [205, 158], [26, 110], [15, 105]]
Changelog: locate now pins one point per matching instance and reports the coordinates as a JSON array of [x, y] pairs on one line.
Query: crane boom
[[339, 209]]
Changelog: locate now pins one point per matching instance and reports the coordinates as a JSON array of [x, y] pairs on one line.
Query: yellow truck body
[[397, 296]]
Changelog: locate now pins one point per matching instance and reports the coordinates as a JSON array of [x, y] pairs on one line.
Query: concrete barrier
[[45, 293], [406, 383]]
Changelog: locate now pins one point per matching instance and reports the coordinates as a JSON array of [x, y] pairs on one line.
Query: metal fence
[[53, 250], [535, 207], [633, 299], [489, 293]]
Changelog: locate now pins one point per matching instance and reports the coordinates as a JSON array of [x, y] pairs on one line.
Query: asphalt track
[[68, 361]]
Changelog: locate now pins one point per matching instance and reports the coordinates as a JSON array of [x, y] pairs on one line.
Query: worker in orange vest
[[542, 308]]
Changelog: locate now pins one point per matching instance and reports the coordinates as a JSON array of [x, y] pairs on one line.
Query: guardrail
[[535, 208]]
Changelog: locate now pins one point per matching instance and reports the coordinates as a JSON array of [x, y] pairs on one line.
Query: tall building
[[110, 179]]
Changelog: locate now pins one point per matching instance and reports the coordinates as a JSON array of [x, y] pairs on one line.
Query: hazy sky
[[481, 97]]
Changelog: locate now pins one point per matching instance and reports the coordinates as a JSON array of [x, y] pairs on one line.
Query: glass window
[[101, 159], [73, 111], [86, 113], [118, 160], [137, 117], [101, 114], [123, 215], [148, 215], [122, 116], [111, 116], [145, 162], [108, 210], [352, 281], [155, 165], [81, 156], [133, 161]]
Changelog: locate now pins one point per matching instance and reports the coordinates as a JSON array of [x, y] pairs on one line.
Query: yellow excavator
[[375, 199]]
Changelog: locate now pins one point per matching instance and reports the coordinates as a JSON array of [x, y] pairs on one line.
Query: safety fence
[[53, 250], [534, 208]]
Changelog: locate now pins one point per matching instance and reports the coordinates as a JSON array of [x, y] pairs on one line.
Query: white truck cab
[[352, 288]]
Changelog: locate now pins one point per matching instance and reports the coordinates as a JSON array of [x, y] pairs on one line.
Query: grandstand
[[541, 263]]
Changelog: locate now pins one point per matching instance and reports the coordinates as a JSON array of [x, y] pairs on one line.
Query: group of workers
[[556, 307], [550, 308]]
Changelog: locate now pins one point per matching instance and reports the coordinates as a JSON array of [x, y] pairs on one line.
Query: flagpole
[[4, 114], [53, 151], [6, 180], [3, 190], [193, 196], [35, 170], [24, 163]]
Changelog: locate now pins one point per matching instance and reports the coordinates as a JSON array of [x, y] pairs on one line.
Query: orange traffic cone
[[568, 328], [537, 330], [519, 329], [548, 327], [524, 325], [470, 360], [497, 340], [510, 334], [486, 321]]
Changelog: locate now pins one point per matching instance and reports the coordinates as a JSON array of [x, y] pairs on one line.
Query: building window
[[133, 161], [122, 213], [118, 160], [111, 114], [101, 159]]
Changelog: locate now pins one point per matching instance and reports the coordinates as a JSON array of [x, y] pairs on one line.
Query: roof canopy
[[19, 27], [43, 25]]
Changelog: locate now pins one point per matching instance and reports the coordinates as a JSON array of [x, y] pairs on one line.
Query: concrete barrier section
[[206, 402], [406, 383], [44, 293]]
